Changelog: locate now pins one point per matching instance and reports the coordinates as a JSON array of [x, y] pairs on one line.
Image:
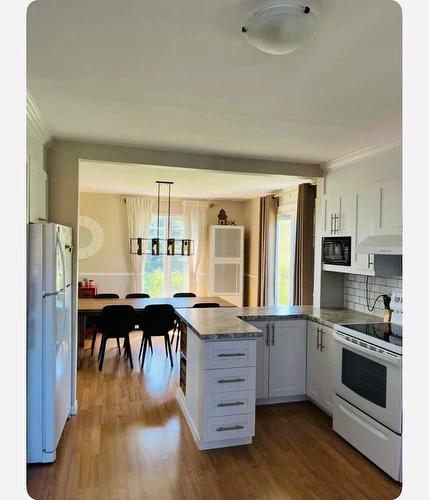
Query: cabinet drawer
[[229, 403], [230, 379], [229, 427], [230, 354]]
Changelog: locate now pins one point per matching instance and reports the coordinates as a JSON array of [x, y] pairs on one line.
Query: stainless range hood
[[381, 244]]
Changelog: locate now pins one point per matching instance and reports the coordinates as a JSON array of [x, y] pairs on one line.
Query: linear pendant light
[[162, 246]]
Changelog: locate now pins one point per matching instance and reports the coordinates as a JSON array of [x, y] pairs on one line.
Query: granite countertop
[[232, 323]]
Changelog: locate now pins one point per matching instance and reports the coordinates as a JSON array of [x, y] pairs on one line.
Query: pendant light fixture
[[162, 246], [280, 28]]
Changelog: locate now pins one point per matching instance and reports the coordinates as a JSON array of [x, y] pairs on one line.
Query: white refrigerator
[[49, 338]]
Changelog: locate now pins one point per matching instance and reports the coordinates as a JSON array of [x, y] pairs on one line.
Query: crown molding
[[34, 116], [345, 160]]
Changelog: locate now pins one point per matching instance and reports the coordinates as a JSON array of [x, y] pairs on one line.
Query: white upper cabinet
[[365, 203], [388, 210], [338, 214], [37, 192], [366, 210]]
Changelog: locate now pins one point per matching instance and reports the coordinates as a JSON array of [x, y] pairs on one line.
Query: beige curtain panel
[[304, 250], [267, 251], [139, 214]]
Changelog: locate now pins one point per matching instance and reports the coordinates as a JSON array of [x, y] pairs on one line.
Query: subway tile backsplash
[[355, 295]]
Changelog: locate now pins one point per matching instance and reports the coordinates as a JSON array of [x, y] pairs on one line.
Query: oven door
[[369, 378]]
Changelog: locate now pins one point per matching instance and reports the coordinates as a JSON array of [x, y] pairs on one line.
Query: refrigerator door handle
[[50, 294]]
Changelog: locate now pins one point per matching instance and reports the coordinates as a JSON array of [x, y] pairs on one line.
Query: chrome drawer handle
[[237, 403], [231, 380], [232, 355], [233, 428]]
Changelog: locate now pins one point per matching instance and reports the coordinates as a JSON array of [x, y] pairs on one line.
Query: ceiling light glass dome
[[280, 28]]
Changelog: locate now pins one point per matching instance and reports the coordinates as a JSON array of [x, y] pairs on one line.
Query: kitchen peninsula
[[233, 359]]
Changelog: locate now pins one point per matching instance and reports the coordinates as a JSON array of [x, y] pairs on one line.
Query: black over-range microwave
[[336, 250]]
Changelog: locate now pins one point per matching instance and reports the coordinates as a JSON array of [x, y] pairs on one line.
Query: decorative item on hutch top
[[162, 246]]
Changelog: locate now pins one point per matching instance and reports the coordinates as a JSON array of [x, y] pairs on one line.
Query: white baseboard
[[73, 409]]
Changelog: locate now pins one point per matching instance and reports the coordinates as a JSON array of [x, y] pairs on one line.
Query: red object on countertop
[[87, 292]]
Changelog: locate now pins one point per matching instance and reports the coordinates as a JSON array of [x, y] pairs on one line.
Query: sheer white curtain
[[139, 214], [195, 228]]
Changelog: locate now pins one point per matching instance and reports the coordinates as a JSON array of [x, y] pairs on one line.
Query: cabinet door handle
[[335, 217], [318, 341], [230, 380], [232, 428], [267, 340], [236, 403], [232, 355], [332, 221], [321, 340], [272, 328]]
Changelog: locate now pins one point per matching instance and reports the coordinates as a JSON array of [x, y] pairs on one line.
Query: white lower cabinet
[[280, 359], [217, 395], [287, 358], [320, 380]]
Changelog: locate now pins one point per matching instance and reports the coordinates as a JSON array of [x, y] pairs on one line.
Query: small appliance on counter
[[368, 388]]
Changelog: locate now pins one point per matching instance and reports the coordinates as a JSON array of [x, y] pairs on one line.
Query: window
[[165, 275], [285, 254]]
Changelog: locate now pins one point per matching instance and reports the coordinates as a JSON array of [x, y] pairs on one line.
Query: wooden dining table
[[93, 307]]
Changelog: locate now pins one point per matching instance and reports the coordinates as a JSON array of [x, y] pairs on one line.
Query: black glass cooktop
[[384, 331]]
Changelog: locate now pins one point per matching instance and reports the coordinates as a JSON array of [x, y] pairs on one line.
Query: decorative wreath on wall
[[91, 237]]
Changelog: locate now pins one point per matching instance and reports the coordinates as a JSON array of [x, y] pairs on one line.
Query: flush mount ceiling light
[[280, 28]]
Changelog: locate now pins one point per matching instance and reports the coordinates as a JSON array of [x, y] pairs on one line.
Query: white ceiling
[[180, 75], [104, 177]]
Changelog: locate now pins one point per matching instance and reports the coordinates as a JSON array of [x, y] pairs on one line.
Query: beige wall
[[109, 211], [251, 252], [110, 267]]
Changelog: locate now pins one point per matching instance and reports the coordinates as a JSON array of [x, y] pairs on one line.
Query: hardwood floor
[[130, 441]]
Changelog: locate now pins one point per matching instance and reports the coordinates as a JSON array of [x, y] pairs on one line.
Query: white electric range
[[368, 388]]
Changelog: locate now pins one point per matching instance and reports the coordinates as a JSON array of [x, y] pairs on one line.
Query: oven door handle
[[393, 359]]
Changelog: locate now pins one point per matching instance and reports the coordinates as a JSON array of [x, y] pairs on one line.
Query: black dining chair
[[95, 327], [156, 320], [139, 296], [176, 329], [116, 322], [206, 304]]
